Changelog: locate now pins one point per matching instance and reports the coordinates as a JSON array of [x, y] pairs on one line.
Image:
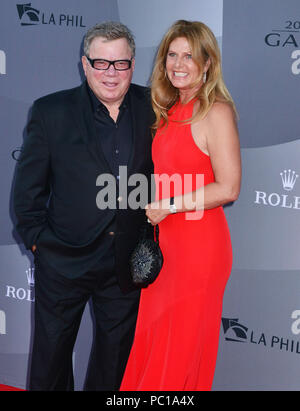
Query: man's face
[[109, 86]]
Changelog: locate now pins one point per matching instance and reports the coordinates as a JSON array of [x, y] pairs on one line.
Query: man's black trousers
[[59, 305]]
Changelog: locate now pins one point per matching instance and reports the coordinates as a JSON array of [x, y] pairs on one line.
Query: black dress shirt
[[115, 137]]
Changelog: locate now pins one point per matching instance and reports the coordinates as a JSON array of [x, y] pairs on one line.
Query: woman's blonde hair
[[203, 46]]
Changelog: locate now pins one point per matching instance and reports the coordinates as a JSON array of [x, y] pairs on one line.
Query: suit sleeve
[[32, 184]]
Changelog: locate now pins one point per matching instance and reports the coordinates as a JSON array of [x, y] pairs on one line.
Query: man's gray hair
[[110, 30]]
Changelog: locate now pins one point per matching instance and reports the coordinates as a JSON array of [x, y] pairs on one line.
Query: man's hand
[[33, 248], [157, 211]]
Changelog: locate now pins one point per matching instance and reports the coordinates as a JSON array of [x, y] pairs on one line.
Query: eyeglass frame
[[110, 62]]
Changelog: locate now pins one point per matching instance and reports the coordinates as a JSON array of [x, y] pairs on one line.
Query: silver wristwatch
[[172, 207]]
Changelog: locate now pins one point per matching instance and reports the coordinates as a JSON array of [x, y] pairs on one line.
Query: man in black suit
[[81, 249]]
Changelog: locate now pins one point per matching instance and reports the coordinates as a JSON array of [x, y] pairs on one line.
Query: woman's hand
[[157, 211]]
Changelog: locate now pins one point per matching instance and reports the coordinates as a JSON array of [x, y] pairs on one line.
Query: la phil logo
[[29, 16], [288, 180], [236, 332], [288, 36]]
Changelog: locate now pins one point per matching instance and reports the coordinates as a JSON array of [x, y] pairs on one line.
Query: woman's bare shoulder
[[221, 110]]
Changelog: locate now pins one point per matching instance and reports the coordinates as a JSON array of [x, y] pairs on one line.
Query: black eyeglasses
[[102, 64]]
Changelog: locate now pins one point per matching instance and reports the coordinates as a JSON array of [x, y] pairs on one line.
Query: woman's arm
[[222, 144]]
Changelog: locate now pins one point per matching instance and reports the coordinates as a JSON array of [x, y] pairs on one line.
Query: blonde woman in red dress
[[177, 333]]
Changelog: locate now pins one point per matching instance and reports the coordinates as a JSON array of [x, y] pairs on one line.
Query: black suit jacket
[[55, 188]]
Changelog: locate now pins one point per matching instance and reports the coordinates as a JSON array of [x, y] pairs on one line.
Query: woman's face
[[181, 69]]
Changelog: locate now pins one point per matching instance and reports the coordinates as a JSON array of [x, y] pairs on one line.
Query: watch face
[[173, 208]]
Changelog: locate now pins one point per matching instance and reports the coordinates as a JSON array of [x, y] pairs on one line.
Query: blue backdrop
[[40, 50]]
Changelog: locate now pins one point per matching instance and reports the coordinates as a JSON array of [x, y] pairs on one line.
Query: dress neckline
[[179, 104], [192, 101]]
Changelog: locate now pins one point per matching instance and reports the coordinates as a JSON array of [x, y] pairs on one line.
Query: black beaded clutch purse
[[146, 260]]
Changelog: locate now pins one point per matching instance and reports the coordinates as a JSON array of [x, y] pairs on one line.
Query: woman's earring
[[204, 77]]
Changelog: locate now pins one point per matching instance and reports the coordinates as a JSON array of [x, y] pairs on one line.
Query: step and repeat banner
[[260, 336], [40, 50]]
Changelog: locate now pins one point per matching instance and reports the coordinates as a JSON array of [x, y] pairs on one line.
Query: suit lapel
[[137, 118]]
